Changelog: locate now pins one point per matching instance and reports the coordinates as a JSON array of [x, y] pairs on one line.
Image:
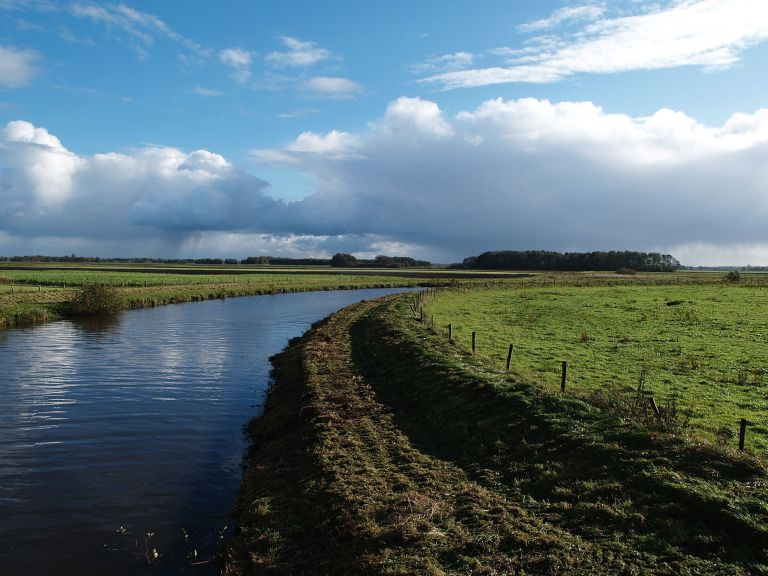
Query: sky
[[432, 129]]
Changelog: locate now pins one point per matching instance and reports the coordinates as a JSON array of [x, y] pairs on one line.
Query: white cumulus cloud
[[414, 117], [46, 169], [153, 192]]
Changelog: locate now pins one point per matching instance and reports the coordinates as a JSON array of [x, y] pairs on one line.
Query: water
[[122, 436]]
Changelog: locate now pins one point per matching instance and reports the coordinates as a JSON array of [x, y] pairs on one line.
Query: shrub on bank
[[96, 299]]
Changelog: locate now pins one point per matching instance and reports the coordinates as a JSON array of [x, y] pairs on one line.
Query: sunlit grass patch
[[701, 343]]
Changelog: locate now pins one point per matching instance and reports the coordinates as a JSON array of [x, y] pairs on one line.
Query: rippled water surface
[[113, 430]]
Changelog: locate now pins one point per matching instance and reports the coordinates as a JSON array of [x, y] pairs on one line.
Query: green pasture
[[33, 296], [128, 278], [703, 345]]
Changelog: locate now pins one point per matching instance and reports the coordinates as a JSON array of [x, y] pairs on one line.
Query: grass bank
[[384, 449]]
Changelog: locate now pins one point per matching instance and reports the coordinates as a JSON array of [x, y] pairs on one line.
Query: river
[[122, 437]]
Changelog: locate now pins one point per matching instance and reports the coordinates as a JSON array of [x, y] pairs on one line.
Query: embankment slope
[[385, 450]]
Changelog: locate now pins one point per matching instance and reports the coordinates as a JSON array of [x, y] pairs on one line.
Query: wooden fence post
[[450, 332], [563, 376], [509, 355], [473, 341], [742, 433], [655, 408]]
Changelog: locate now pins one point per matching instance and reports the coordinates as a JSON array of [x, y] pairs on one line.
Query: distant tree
[[282, 261], [256, 260], [384, 262], [395, 262], [341, 260], [733, 276]]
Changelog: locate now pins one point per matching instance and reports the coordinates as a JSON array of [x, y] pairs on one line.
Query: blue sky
[[433, 129]]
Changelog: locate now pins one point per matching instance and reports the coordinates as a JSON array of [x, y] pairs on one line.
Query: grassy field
[[702, 344], [129, 278], [29, 296], [384, 449]]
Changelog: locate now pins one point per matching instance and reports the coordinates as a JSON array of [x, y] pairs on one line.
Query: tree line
[[281, 261], [341, 260], [571, 261], [338, 260], [96, 259]]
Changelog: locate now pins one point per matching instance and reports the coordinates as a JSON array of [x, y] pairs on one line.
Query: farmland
[[385, 447], [34, 295], [699, 345], [690, 339]]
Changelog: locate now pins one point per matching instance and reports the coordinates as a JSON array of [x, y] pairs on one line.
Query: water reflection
[[134, 421], [97, 324]]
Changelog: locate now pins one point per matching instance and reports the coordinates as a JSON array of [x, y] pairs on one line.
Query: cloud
[[75, 38], [235, 57], [44, 168], [17, 67], [298, 113], [507, 174], [299, 53], [27, 26], [207, 92], [156, 193], [272, 156], [445, 63], [334, 87], [711, 34], [562, 15], [141, 28], [532, 174], [333, 145], [239, 60], [414, 117]]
